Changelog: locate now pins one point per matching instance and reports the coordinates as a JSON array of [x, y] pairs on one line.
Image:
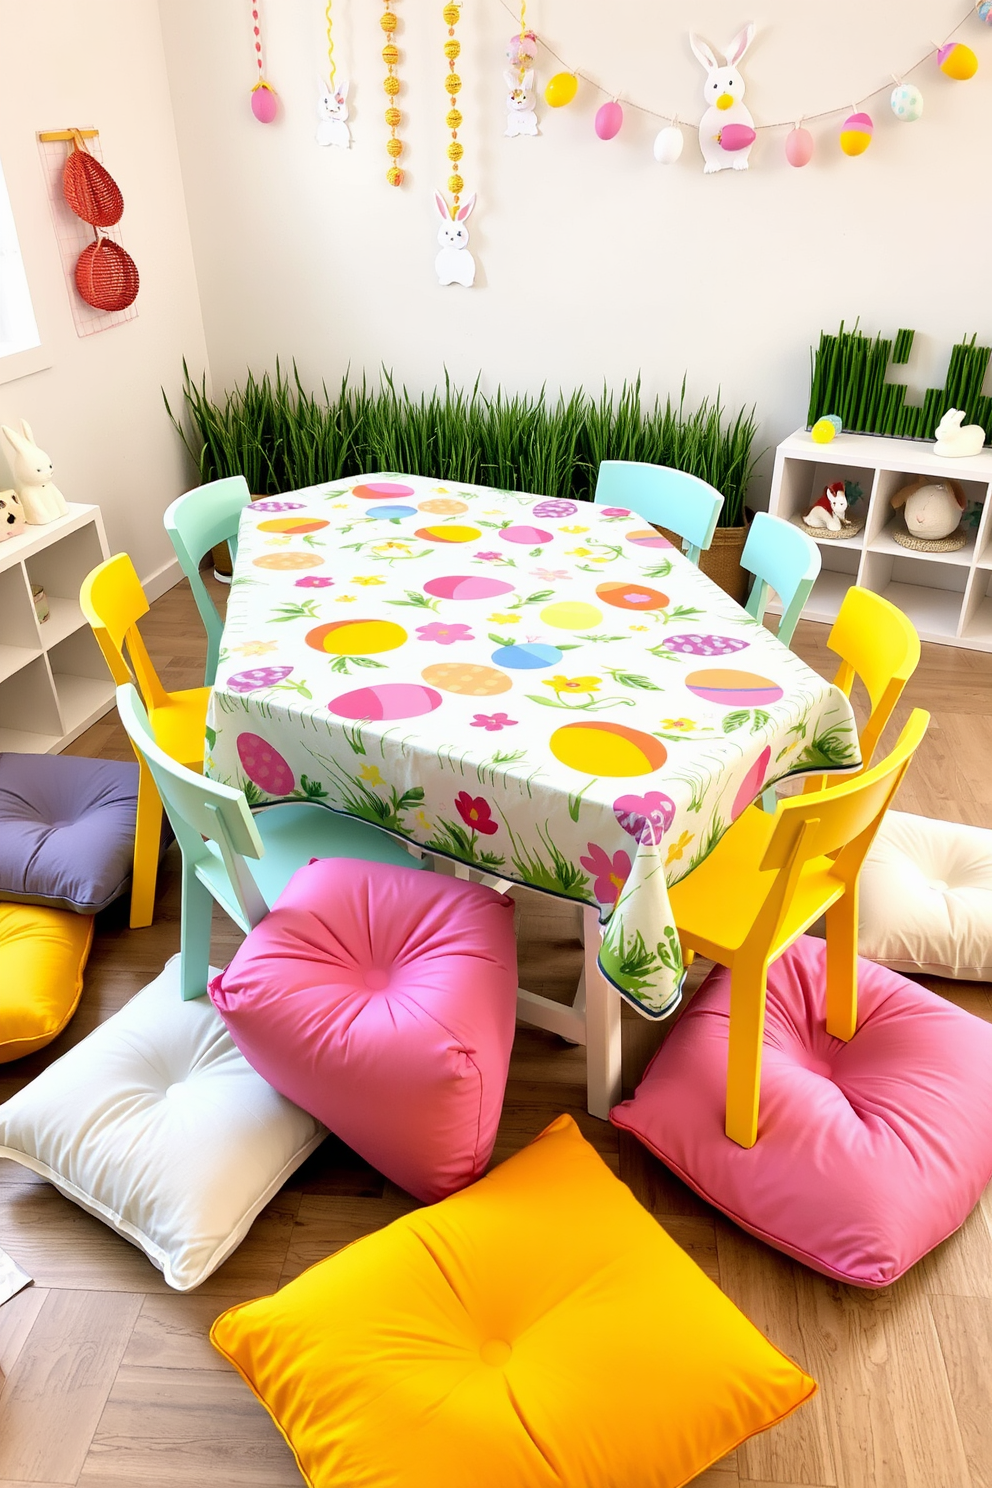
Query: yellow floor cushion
[[536, 1330], [42, 955]]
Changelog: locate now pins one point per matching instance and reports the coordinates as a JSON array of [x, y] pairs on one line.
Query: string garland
[[669, 118], [453, 119], [263, 96], [391, 88]]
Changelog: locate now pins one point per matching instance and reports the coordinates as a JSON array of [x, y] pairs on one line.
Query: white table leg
[[603, 1045]]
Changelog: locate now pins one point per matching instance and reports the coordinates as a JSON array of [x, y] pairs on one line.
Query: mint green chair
[[195, 523], [244, 861], [664, 497], [784, 559]]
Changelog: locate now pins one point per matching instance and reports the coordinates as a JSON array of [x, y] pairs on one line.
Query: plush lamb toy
[[42, 501], [829, 513], [933, 508]]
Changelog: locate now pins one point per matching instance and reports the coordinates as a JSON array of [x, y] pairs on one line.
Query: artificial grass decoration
[[849, 379], [281, 437]]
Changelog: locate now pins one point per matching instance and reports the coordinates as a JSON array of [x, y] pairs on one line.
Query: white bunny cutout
[[454, 264], [723, 92], [42, 501], [520, 103], [332, 112]]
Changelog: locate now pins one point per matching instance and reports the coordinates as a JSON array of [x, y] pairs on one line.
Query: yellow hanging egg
[[957, 61], [394, 147], [394, 176], [391, 85], [456, 185], [453, 83], [561, 89], [393, 116], [390, 54], [387, 21], [452, 49], [455, 150], [453, 119], [451, 14]]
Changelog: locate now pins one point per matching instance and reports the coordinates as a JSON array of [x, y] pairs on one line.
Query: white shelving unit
[[948, 596], [53, 679]]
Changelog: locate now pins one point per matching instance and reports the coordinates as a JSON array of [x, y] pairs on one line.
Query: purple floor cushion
[[382, 1000], [66, 830], [869, 1153]]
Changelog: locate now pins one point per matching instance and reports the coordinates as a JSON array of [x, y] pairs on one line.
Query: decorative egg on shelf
[[825, 429], [957, 61], [609, 120], [561, 89], [799, 146], [855, 136], [264, 102], [669, 141], [906, 102]]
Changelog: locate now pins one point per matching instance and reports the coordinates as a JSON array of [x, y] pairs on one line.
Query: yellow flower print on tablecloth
[[579, 552], [370, 774], [574, 529], [504, 619], [278, 542], [423, 821], [345, 599], [256, 648], [678, 725], [638, 627], [391, 547], [677, 849], [367, 579], [573, 684]]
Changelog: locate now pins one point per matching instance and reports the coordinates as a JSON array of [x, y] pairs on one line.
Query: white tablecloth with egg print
[[544, 689]]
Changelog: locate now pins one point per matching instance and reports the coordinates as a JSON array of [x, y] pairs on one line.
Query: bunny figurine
[[42, 501], [454, 264], [332, 112], [521, 117], [955, 442], [726, 130]]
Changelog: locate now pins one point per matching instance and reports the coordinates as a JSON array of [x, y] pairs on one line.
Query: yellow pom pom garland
[[453, 118], [391, 88]]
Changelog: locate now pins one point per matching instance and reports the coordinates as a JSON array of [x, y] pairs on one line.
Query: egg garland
[[391, 88], [561, 89], [799, 146], [609, 120], [984, 12], [668, 144], [264, 99], [957, 61], [855, 136], [906, 102]]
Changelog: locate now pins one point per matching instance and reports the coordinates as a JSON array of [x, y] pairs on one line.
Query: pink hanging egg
[[799, 147], [264, 104], [609, 120], [736, 137]]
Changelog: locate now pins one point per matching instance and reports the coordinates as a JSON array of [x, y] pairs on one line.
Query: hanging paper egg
[[522, 48], [906, 102], [799, 147], [736, 137], [957, 61], [825, 429], [609, 120], [668, 144], [985, 12], [264, 104], [855, 137], [561, 89]]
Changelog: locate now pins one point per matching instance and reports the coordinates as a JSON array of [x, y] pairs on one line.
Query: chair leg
[[748, 987], [147, 843], [194, 955], [842, 966], [769, 801], [603, 1034]]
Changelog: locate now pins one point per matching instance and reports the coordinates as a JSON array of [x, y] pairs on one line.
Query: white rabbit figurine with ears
[[42, 501], [332, 112], [454, 264], [723, 92], [521, 117]]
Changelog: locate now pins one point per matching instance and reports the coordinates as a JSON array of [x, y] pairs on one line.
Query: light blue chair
[[784, 559], [195, 523], [242, 861], [666, 498]]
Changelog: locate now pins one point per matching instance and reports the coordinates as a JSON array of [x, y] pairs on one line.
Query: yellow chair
[[768, 879], [113, 602], [879, 645]]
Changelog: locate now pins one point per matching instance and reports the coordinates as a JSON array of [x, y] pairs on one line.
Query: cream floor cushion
[[157, 1124], [926, 898]]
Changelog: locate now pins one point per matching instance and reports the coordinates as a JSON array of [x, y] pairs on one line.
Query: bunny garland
[[454, 264], [332, 97], [521, 105], [726, 130]]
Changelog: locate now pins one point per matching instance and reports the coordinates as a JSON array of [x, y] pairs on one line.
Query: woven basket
[[107, 276], [91, 190], [721, 561]]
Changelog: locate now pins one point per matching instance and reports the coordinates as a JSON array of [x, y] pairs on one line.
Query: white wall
[[98, 409], [594, 261]]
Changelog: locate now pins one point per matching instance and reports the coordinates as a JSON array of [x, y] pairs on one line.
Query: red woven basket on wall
[[107, 276], [90, 189]]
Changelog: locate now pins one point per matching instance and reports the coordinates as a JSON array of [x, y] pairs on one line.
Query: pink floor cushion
[[869, 1153], [382, 1000]]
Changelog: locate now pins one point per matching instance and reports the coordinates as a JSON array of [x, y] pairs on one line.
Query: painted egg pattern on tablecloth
[[733, 689], [646, 537], [466, 586], [288, 560], [382, 490], [533, 537], [452, 534], [571, 614], [704, 645], [356, 637], [751, 784], [265, 766], [386, 701], [257, 677], [466, 680], [277, 506], [391, 512], [297, 526], [443, 506], [610, 749], [527, 656], [631, 596], [554, 507]]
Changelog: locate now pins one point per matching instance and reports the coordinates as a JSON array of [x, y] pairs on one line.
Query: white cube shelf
[[948, 596], [53, 679]]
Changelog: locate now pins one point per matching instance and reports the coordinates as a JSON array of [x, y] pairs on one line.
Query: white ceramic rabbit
[[954, 442], [829, 512], [332, 112], [42, 501], [932, 508], [454, 264], [521, 117], [723, 92]]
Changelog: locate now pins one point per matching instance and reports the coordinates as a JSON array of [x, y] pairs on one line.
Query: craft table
[[545, 691]]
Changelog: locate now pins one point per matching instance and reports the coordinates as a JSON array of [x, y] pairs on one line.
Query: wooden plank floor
[[107, 1376]]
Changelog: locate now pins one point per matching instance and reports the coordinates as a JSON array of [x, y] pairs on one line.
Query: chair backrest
[[196, 522], [667, 498], [199, 808], [784, 559], [113, 601], [840, 822]]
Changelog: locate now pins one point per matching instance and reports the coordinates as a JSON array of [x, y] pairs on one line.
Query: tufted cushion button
[[495, 1352], [376, 980]]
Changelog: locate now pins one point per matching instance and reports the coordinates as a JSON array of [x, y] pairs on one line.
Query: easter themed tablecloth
[[544, 689]]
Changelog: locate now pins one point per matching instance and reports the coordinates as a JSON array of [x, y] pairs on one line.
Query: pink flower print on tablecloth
[[493, 722], [476, 813], [610, 873], [490, 557], [443, 634], [647, 817], [313, 581], [551, 573], [613, 511]]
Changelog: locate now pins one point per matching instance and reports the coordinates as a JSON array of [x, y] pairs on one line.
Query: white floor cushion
[[156, 1124], [926, 898]]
